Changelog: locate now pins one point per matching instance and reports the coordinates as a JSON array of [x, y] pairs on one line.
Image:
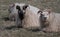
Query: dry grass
[[19, 32]]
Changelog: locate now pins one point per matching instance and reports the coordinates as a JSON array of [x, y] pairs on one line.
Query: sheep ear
[[24, 7], [39, 11], [18, 7], [49, 11]]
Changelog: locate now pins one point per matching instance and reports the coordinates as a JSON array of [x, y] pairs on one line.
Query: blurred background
[[42, 4]]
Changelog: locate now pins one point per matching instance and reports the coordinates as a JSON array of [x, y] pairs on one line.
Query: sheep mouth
[[21, 15], [43, 19]]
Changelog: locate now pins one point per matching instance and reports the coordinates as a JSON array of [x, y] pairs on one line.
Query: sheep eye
[[18, 7], [24, 7]]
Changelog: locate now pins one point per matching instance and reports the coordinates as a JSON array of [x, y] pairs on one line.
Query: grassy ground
[[15, 32]]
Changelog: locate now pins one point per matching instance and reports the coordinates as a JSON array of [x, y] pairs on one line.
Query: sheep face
[[45, 15], [21, 10]]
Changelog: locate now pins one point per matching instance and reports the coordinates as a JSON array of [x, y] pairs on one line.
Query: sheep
[[30, 18], [52, 20], [12, 11], [20, 11]]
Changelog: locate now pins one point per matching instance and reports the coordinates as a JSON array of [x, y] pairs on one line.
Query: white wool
[[14, 11], [34, 9], [54, 23], [31, 20]]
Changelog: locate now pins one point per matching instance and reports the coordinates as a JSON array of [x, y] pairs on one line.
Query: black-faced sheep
[[28, 16], [25, 16]]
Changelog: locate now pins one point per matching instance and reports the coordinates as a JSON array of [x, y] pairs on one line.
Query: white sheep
[[12, 11], [53, 19]]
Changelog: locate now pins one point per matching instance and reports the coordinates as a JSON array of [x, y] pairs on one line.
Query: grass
[[15, 32]]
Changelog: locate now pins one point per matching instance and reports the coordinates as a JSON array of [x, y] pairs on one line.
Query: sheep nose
[[45, 18]]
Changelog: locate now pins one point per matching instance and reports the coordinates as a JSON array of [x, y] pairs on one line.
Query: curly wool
[[54, 23], [31, 20]]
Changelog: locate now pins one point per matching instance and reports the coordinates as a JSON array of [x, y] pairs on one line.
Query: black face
[[21, 12]]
